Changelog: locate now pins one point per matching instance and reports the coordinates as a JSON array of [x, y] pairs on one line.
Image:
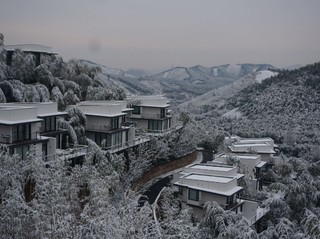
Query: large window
[[48, 124], [104, 140], [117, 138], [193, 195], [115, 123], [21, 132], [163, 113], [231, 199], [155, 125], [136, 110], [22, 151]]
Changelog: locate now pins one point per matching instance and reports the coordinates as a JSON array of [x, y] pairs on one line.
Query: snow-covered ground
[[262, 75]]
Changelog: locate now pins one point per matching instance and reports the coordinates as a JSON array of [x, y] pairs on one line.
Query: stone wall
[[164, 168]]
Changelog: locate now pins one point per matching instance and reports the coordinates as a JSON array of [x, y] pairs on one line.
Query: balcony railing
[[99, 127], [128, 144], [151, 115], [73, 152], [11, 139]]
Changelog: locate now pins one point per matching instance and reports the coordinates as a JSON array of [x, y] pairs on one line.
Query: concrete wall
[[249, 209], [164, 168], [95, 120], [150, 112], [131, 134], [35, 127], [220, 199]]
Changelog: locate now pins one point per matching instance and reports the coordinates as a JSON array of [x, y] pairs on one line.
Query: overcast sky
[[155, 34]]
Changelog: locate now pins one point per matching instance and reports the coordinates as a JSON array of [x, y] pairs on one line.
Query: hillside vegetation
[[285, 107], [66, 83]]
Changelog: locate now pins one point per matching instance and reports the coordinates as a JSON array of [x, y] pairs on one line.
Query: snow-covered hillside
[[216, 98], [262, 75]]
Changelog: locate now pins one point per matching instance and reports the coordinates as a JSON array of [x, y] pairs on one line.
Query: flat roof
[[7, 122], [104, 115], [215, 191], [30, 48], [261, 164], [209, 178], [249, 145], [53, 114], [154, 105], [212, 167], [255, 139], [248, 156]]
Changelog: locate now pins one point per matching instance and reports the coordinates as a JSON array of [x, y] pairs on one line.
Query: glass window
[[162, 113], [136, 110], [115, 123], [193, 195], [230, 199], [155, 125], [21, 132]]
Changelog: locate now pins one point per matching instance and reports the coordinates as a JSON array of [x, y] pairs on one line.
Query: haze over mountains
[[181, 83]]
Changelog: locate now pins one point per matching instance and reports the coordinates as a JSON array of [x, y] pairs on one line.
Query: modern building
[[107, 123], [20, 128], [261, 146], [48, 112], [37, 50], [150, 113], [249, 164], [200, 183]]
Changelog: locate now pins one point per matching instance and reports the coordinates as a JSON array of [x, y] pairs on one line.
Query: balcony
[[151, 116], [12, 139], [73, 152], [101, 128]]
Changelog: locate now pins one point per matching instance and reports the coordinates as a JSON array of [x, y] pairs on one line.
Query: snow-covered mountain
[[185, 83], [181, 84], [214, 99]]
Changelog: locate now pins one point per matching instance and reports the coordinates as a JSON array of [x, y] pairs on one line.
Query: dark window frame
[[193, 194], [136, 110]]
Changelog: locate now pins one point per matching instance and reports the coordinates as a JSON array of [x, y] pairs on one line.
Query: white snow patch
[[234, 69], [262, 75], [215, 71], [234, 113], [176, 73]]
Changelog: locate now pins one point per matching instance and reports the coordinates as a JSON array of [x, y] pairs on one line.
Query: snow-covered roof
[[30, 48], [212, 167], [44, 108], [261, 164], [10, 115], [103, 108], [253, 157], [7, 122], [156, 101], [104, 115], [209, 190], [209, 178]]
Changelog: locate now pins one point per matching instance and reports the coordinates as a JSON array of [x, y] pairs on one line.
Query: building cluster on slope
[[224, 179], [110, 124]]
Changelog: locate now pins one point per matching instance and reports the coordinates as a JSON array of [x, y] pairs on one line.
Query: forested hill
[[285, 106], [66, 83]]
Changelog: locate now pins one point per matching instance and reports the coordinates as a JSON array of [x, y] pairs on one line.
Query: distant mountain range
[[179, 83]]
